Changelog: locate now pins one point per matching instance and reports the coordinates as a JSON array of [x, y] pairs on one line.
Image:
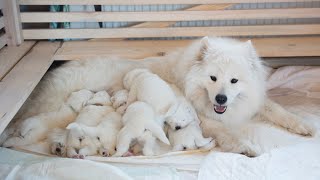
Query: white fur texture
[[36, 128], [190, 69], [139, 125]]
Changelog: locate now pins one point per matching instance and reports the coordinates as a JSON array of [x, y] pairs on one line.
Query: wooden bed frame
[[24, 59]]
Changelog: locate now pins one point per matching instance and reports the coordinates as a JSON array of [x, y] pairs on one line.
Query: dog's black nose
[[58, 150], [221, 99], [178, 127]]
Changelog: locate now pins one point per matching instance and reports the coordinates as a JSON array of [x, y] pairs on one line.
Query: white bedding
[[288, 156]]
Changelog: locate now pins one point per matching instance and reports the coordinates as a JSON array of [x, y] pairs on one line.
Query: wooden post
[[11, 13]]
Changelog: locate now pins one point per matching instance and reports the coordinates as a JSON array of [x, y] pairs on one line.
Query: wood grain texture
[[9, 56], [17, 85], [11, 14], [169, 15], [266, 47], [146, 2], [173, 32]]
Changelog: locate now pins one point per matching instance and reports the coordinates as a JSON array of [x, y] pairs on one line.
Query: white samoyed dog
[[203, 70], [105, 133], [36, 128], [140, 126]]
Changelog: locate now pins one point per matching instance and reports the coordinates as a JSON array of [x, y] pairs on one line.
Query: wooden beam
[[9, 56], [38, 17], [145, 2], [1, 22], [11, 14], [173, 32], [22, 79], [3, 40], [266, 47]]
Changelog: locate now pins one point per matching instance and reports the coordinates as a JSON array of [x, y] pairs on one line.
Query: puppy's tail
[[158, 132]]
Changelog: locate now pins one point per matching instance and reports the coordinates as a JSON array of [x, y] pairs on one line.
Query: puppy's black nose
[[178, 127], [58, 150], [221, 99]]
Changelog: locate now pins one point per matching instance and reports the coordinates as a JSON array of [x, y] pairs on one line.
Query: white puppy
[[57, 139], [149, 88], [36, 128], [184, 131], [79, 143], [105, 133], [119, 100], [140, 126]]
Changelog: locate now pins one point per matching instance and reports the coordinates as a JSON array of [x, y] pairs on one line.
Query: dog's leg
[[123, 145], [71, 152], [227, 141], [88, 151], [149, 144], [276, 114]]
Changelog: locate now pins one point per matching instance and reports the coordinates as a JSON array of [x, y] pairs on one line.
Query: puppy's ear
[[204, 44], [253, 57], [73, 126]]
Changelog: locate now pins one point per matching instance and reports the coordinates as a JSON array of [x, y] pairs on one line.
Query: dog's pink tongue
[[220, 108]]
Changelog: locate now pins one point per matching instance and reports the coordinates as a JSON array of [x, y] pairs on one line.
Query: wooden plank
[[146, 2], [1, 22], [22, 79], [266, 47], [169, 15], [3, 40], [9, 56], [11, 13], [173, 32], [167, 24]]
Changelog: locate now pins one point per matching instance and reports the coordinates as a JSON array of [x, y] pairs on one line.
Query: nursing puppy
[[140, 126], [95, 108], [184, 131], [119, 100], [36, 128], [149, 88], [105, 134]]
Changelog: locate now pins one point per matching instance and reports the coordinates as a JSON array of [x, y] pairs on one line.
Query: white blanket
[[288, 156]]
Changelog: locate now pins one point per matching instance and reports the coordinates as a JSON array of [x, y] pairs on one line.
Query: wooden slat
[[22, 79], [1, 5], [1, 22], [172, 32], [141, 2], [169, 15], [266, 47], [11, 14], [9, 56], [3, 40]]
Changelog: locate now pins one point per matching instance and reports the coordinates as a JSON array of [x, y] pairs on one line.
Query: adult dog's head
[[226, 79]]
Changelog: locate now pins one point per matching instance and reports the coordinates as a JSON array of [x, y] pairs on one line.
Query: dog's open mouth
[[220, 109]]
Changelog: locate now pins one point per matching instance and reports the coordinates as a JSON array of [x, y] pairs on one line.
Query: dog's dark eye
[[213, 78], [233, 81], [98, 138]]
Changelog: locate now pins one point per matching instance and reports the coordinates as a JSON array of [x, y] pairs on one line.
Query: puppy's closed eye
[[98, 138]]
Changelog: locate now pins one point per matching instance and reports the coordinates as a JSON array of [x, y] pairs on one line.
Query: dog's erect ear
[[204, 44], [252, 56]]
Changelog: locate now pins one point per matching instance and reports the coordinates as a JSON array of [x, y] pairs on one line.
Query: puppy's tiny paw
[[127, 154], [78, 156]]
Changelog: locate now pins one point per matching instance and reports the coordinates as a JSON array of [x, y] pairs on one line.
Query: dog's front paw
[[302, 129]]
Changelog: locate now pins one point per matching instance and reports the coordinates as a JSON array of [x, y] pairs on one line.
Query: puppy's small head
[[76, 135], [101, 98], [180, 116], [132, 75], [78, 99]]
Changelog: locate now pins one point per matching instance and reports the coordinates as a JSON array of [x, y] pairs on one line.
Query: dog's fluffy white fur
[[184, 131], [119, 100], [105, 133], [148, 87], [140, 126], [36, 128], [192, 70]]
